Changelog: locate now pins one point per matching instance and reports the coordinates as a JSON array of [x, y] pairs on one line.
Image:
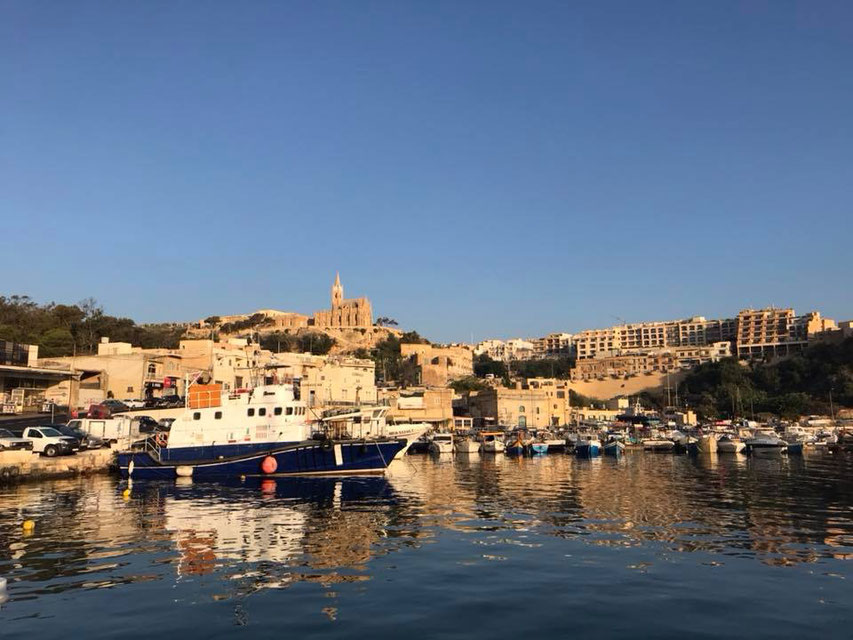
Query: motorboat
[[371, 422], [441, 443], [730, 444], [766, 442], [658, 445], [515, 446], [260, 432]]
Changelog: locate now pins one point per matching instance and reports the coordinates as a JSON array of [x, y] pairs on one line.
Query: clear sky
[[485, 169]]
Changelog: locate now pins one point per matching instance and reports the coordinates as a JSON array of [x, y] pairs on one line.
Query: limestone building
[[352, 312]]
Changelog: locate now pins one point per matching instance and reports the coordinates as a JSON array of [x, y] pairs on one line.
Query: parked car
[[147, 424], [114, 406], [10, 442], [84, 440], [133, 403], [50, 442]]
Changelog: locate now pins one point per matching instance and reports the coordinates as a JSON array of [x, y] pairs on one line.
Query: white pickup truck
[[49, 441]]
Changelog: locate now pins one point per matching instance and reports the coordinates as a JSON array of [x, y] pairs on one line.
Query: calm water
[[477, 547]]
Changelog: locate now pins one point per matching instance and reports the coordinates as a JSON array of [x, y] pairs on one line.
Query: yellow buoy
[[125, 494], [28, 525]]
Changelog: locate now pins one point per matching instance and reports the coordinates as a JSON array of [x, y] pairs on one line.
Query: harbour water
[[492, 547]]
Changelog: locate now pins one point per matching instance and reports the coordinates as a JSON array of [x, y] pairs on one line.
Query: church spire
[[337, 291]]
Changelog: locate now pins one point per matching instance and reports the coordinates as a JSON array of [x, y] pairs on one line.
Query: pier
[[18, 466]]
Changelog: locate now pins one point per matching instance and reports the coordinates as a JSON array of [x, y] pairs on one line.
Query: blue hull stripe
[[309, 457]]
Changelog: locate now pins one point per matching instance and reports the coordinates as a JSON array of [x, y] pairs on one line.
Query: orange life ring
[[161, 439]]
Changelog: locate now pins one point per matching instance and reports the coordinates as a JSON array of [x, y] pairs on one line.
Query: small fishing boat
[[441, 443], [614, 448], [588, 447], [707, 444], [515, 447], [466, 445], [491, 442], [538, 448]]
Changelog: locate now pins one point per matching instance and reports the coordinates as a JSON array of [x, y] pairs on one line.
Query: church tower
[[337, 292]]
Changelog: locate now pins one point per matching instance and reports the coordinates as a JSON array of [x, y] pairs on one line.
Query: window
[[217, 415], [521, 409], [262, 411], [130, 389], [290, 411], [250, 412], [197, 415], [277, 411]]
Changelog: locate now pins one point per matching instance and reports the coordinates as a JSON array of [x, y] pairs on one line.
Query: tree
[[467, 384], [213, 320], [384, 321]]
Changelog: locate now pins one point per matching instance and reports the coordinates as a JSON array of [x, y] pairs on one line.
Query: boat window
[[262, 411], [197, 415], [218, 415], [290, 411], [277, 411], [250, 412]]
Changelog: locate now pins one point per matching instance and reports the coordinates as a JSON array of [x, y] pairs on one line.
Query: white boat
[[492, 442], [441, 443], [729, 444], [466, 446], [766, 442], [658, 444], [370, 422]]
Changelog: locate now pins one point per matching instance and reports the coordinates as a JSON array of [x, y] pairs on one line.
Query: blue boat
[[538, 448], [614, 448], [590, 448], [514, 449], [257, 433], [795, 448]]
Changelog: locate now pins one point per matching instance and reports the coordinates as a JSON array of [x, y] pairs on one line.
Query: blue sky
[[484, 169]]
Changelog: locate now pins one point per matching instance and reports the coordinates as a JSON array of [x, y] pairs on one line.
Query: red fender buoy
[[269, 465]]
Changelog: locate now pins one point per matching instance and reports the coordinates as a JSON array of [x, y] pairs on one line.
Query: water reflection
[[242, 538]]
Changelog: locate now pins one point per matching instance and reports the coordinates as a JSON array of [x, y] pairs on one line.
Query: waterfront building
[[25, 382], [438, 365], [554, 345], [420, 404], [542, 402]]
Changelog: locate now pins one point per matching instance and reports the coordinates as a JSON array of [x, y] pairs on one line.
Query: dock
[[18, 466]]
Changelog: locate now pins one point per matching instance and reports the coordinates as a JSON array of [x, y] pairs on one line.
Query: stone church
[[355, 312]]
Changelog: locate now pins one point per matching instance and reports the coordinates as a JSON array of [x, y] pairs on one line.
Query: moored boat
[[766, 442], [730, 444], [588, 447], [614, 448], [466, 445], [538, 448], [441, 443], [261, 432], [491, 442]]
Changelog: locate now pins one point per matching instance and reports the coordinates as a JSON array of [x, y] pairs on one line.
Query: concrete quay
[[16, 466]]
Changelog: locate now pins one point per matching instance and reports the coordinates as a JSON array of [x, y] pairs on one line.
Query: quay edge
[[20, 466]]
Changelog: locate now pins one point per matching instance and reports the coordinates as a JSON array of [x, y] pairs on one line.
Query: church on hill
[[353, 312]]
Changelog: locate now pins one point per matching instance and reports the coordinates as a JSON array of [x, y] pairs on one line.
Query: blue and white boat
[[260, 433], [614, 448], [538, 448], [588, 447]]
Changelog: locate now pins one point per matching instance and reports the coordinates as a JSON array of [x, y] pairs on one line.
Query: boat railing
[[152, 448]]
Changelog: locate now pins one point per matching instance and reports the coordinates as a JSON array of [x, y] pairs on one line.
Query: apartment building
[[772, 332], [695, 331], [650, 361]]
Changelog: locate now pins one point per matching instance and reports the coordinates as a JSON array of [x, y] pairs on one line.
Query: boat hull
[[614, 449], [347, 457], [514, 450], [538, 448]]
